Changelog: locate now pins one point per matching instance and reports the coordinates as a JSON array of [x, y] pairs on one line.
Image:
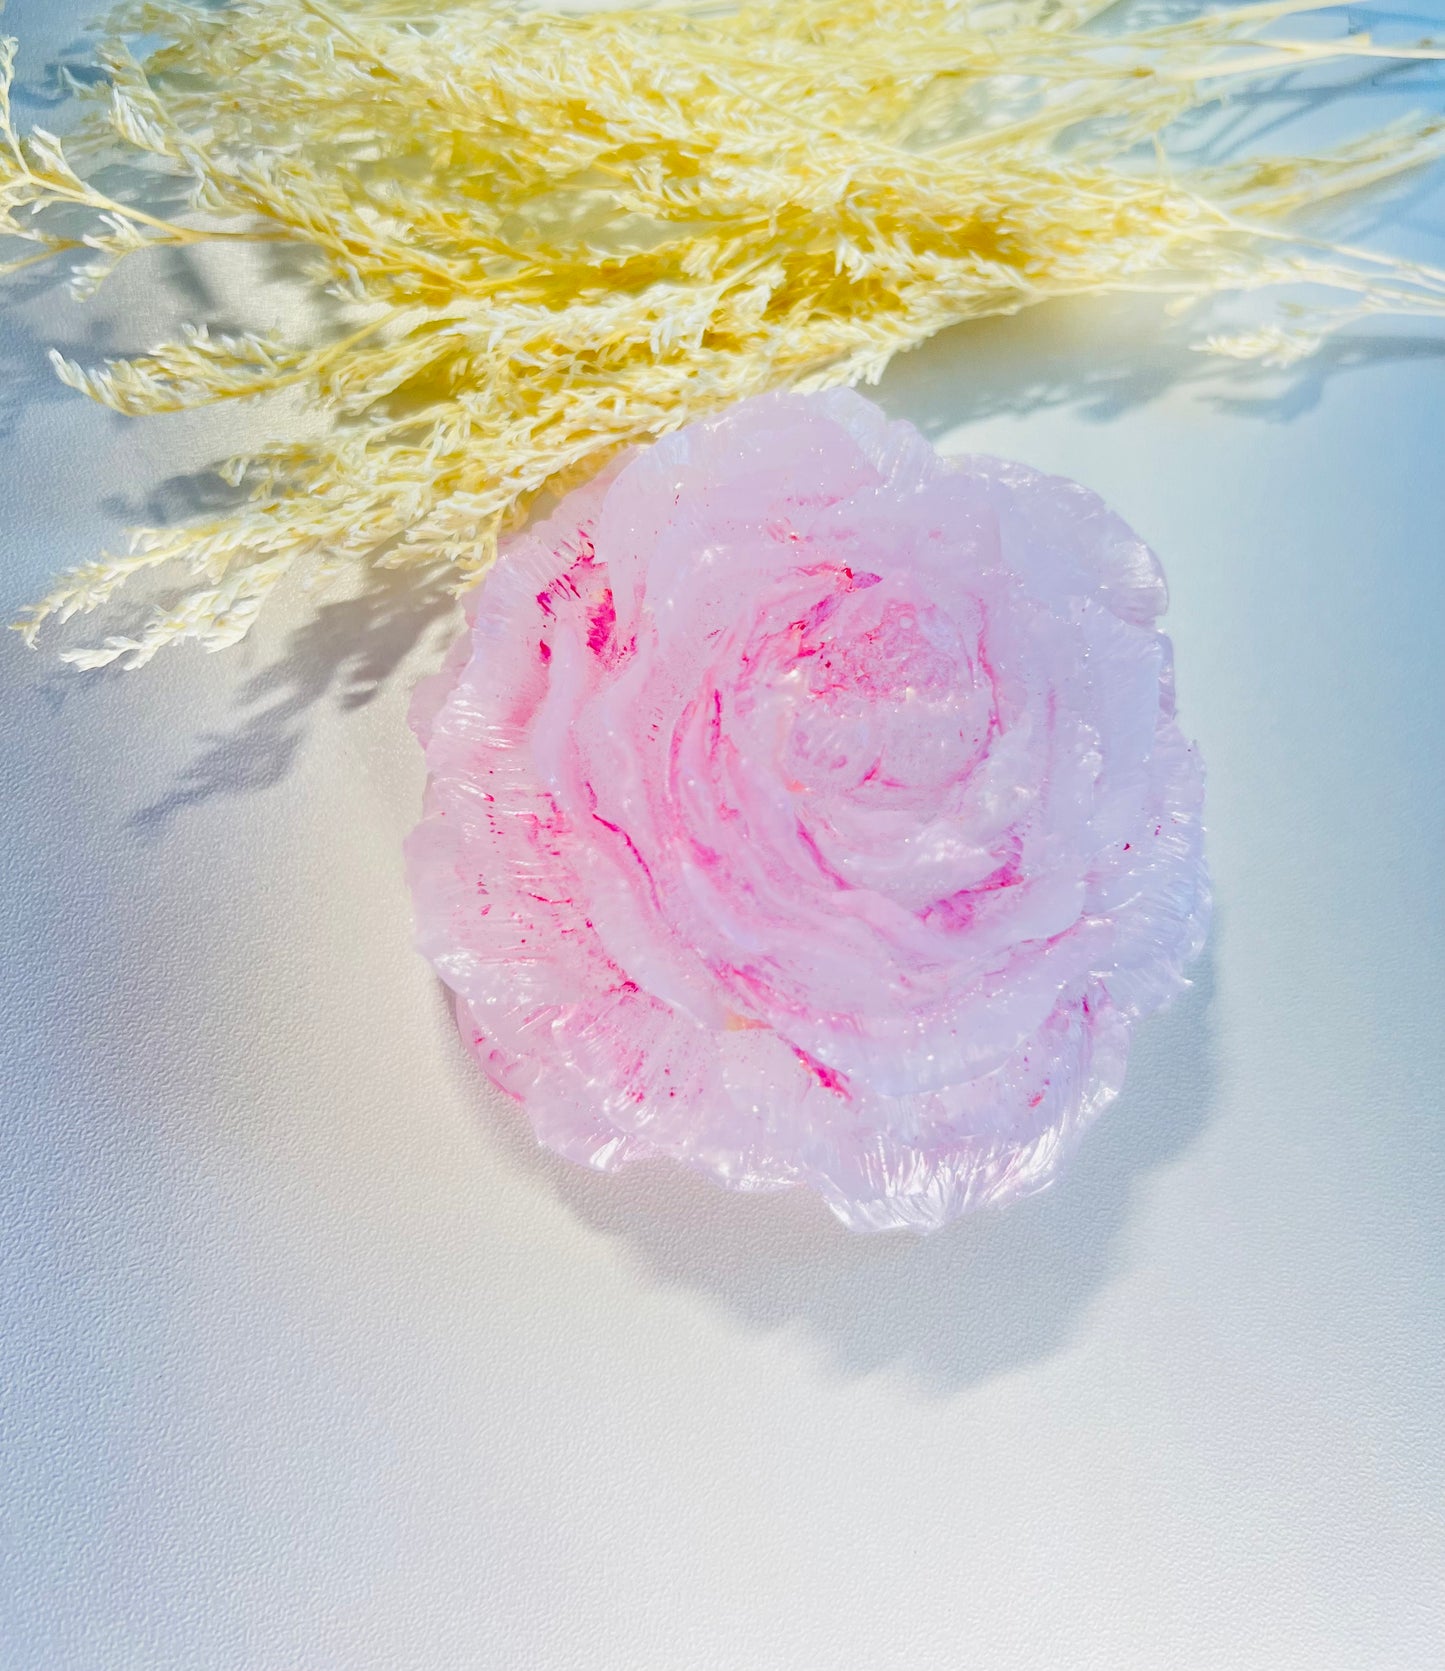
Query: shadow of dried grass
[[1102, 359], [341, 657]]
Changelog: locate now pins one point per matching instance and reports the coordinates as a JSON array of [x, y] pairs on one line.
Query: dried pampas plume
[[560, 233]]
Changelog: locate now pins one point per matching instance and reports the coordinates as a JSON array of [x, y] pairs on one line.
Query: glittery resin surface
[[811, 810]]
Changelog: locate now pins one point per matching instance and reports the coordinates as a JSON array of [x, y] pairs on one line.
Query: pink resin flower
[[811, 809]]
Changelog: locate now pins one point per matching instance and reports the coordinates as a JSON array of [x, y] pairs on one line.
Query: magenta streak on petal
[[826, 1077], [824, 869], [601, 621], [631, 848]]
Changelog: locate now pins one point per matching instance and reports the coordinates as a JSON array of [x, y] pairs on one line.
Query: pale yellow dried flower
[[562, 233]]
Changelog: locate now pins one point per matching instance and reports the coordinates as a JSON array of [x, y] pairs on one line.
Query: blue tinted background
[[310, 1360]]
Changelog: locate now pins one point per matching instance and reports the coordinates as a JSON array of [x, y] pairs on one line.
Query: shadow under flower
[[997, 1290]]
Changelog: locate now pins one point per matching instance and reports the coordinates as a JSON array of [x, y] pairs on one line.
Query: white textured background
[[309, 1360]]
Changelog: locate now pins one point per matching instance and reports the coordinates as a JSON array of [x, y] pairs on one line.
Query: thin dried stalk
[[563, 233]]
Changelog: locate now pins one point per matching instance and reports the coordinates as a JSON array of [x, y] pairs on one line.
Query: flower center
[[870, 711]]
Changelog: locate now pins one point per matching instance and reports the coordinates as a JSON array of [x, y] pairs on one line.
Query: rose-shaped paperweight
[[811, 809]]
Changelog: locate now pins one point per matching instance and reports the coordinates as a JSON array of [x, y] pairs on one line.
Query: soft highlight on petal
[[812, 810]]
